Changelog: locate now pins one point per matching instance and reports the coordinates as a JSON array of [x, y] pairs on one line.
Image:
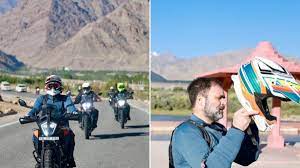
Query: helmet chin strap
[[260, 121]]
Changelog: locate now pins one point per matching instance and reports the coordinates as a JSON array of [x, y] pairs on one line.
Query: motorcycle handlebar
[[68, 116], [25, 120]]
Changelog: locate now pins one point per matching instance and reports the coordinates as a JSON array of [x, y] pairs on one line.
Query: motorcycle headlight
[[48, 130], [121, 102], [86, 106]]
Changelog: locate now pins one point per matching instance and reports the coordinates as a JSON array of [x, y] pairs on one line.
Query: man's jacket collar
[[198, 120]]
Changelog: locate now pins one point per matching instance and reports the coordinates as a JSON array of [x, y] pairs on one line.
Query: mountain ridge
[[173, 68], [80, 35]]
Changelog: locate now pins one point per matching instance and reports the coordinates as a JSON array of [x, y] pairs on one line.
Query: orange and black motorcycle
[[50, 135]]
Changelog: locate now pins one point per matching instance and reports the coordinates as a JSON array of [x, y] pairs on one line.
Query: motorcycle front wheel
[[48, 159], [122, 119], [86, 127]]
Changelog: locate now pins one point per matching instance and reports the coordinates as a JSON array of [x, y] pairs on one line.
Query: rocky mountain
[[157, 78], [173, 68], [9, 62], [80, 35]]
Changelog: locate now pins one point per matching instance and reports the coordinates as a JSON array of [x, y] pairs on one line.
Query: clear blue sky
[[190, 28]]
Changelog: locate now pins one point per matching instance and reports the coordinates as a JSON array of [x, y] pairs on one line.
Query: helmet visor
[[86, 89], [53, 85]]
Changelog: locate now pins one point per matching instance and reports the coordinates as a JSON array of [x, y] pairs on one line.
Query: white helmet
[[86, 87], [260, 79]]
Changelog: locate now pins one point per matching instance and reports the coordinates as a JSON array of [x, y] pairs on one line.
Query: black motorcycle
[[111, 98], [86, 119], [51, 136], [122, 107]]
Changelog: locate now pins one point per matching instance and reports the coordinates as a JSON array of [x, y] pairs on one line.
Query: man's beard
[[213, 113]]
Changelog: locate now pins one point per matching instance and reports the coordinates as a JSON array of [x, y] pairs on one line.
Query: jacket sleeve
[[69, 105], [194, 149], [96, 97], [249, 151], [37, 107], [77, 98]]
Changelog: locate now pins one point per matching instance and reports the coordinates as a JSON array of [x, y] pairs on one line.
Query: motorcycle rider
[[88, 94], [62, 104], [37, 90], [111, 93], [79, 89], [111, 90], [68, 93], [121, 89]]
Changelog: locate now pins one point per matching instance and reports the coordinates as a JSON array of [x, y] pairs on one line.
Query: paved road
[[20, 94], [109, 147]]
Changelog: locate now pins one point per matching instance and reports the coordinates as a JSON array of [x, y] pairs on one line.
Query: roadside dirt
[[9, 106]]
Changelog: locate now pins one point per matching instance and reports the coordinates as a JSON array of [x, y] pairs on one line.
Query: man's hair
[[200, 86]]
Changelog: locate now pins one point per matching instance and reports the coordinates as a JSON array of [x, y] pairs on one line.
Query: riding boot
[[116, 114], [128, 114], [128, 117], [72, 162], [95, 118]]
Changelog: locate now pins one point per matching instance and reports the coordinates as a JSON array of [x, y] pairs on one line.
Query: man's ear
[[201, 100]]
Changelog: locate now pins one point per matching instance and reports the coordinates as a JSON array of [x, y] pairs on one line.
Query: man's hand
[[242, 119]]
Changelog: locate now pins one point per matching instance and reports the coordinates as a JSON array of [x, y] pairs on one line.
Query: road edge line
[[8, 124]]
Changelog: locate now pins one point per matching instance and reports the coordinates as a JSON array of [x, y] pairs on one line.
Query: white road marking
[[8, 124]]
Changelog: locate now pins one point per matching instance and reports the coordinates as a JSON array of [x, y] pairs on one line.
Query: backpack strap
[[205, 134]]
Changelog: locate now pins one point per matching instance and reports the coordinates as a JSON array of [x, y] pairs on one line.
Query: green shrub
[[173, 101], [169, 100]]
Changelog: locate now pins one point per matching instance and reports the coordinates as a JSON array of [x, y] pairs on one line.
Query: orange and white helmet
[[260, 79]]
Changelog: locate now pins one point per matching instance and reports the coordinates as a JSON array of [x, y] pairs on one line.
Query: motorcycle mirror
[[22, 103], [21, 120], [25, 120]]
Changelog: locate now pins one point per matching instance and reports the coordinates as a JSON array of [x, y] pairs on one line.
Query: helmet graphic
[[53, 85], [86, 87], [260, 79], [120, 87]]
